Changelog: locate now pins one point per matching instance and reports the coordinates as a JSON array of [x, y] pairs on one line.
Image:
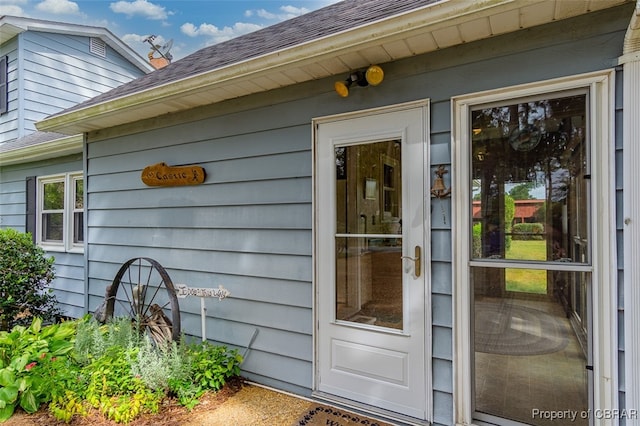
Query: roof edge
[[22, 24], [439, 14], [411, 20], [43, 151]]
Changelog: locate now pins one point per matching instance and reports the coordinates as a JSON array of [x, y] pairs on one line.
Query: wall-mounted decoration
[[162, 174], [439, 190]]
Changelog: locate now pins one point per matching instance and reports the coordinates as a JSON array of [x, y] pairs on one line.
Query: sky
[[190, 24]]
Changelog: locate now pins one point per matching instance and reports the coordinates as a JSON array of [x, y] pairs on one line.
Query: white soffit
[[436, 26]]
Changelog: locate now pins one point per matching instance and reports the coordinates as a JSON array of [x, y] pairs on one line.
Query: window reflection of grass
[[527, 280]]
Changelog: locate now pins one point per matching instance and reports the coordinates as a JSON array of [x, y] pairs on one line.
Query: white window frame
[[67, 244], [605, 346]]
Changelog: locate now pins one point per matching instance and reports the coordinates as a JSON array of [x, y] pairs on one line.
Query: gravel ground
[[255, 406]]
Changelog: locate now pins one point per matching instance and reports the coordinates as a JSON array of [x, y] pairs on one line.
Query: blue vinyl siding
[[69, 282], [9, 127], [49, 72], [249, 226], [51, 84]]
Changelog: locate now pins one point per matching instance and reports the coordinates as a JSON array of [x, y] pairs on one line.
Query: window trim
[[600, 86], [67, 244]]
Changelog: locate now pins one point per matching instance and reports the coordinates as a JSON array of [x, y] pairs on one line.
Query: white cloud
[[12, 10], [140, 8], [216, 35], [134, 40], [284, 13], [58, 7]]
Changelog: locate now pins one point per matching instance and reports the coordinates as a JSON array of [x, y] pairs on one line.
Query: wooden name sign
[[163, 175]]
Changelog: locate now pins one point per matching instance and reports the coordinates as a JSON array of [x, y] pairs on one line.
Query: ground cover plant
[[81, 366]]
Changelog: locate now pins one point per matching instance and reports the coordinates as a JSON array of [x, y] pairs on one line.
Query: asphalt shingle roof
[[320, 23], [35, 138]]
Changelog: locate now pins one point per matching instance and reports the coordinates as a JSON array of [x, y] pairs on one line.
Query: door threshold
[[369, 410]]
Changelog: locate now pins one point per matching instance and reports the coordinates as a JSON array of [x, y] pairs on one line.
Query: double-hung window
[[60, 219]]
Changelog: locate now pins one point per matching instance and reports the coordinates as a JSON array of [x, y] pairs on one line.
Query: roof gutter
[[440, 13]]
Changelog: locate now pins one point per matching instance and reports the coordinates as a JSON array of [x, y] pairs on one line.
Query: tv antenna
[[163, 51]]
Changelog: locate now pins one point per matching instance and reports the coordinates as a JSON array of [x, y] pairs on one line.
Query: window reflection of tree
[[539, 141]]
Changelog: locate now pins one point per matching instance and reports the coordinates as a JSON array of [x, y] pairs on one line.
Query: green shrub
[[25, 274], [528, 231]]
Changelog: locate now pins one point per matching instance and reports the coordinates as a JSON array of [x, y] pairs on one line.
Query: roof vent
[[98, 47]]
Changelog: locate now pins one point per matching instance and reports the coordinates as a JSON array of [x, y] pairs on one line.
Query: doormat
[[324, 415]]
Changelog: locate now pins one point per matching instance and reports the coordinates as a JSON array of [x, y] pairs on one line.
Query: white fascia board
[[43, 151]]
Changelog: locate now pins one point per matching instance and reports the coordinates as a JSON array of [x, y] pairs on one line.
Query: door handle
[[416, 260]]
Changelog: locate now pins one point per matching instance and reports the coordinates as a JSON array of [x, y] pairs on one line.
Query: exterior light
[[372, 76], [342, 88]]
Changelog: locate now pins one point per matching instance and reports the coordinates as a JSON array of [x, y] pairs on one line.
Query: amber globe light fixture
[[372, 76]]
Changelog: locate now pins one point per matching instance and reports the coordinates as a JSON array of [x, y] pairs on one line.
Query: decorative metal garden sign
[[221, 293]]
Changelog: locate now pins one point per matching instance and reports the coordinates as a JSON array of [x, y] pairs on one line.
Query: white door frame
[[426, 256], [605, 348]]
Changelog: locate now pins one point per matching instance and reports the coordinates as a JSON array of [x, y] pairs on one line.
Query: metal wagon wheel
[[143, 290]]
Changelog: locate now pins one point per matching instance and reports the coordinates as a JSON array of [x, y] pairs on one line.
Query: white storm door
[[370, 251]]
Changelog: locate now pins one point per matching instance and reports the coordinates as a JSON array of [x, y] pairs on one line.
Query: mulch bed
[[171, 413]]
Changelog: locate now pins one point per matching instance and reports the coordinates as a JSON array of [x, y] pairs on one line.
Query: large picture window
[[60, 220]]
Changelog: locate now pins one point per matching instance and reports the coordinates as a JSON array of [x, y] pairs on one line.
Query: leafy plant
[[25, 274], [68, 389], [25, 358], [112, 388], [208, 369], [213, 365]]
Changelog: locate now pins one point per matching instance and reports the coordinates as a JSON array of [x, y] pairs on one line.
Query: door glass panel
[[529, 180], [529, 201], [368, 240], [530, 358]]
